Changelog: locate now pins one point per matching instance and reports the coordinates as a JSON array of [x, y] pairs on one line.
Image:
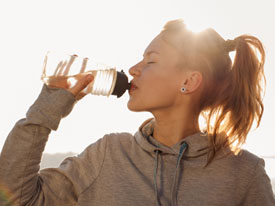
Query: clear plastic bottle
[[64, 70]]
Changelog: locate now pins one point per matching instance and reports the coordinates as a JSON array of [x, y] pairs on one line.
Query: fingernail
[[89, 77]]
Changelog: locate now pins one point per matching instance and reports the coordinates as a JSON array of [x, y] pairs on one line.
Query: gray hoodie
[[122, 169]]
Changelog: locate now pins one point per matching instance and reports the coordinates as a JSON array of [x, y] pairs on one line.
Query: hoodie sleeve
[[21, 183], [260, 190]]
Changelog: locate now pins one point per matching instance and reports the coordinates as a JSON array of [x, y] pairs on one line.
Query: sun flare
[[196, 25]]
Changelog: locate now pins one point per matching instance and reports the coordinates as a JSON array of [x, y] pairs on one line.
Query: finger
[[68, 67], [81, 84], [84, 64], [44, 67], [57, 68], [61, 69]]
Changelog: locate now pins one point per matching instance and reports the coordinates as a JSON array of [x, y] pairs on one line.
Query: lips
[[133, 87]]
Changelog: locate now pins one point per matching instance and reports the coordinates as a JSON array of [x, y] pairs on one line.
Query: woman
[[169, 160]]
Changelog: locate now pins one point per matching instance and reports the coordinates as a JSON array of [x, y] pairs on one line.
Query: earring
[[183, 89]]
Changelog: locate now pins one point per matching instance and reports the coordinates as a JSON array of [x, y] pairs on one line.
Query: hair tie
[[230, 45]]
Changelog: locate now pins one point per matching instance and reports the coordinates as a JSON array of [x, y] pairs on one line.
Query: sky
[[115, 33]]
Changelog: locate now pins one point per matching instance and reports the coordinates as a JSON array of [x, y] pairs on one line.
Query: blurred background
[[115, 33]]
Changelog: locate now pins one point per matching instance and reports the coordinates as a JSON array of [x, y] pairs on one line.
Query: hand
[[62, 79], [83, 81]]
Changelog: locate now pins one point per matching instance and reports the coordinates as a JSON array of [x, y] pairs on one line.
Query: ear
[[192, 81]]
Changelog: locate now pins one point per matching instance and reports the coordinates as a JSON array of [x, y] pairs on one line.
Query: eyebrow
[[150, 52]]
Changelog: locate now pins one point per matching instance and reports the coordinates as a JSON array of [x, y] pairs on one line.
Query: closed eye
[[151, 62]]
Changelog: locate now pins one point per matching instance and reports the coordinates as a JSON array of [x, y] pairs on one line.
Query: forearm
[[21, 155]]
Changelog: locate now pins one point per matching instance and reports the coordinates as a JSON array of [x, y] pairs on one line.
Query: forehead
[[160, 46]]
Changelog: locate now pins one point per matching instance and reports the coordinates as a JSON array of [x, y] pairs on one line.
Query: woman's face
[[157, 79]]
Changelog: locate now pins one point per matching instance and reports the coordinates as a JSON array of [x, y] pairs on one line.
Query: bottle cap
[[121, 85]]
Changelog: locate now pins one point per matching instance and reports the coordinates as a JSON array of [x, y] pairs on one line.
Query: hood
[[197, 143], [192, 146]]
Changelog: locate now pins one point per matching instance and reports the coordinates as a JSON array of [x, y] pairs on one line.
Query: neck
[[170, 129]]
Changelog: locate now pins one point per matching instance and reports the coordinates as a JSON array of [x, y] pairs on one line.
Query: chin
[[134, 107]]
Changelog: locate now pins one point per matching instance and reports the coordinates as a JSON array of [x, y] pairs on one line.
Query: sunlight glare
[[196, 25], [232, 56]]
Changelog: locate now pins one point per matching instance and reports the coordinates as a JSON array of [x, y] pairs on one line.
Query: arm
[[260, 191], [20, 180]]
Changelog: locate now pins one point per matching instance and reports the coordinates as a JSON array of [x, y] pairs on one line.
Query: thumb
[[81, 84]]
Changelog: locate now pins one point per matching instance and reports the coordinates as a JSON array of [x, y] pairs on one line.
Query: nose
[[135, 70]]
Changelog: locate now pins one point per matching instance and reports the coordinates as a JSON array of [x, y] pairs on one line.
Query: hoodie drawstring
[[173, 193], [155, 176]]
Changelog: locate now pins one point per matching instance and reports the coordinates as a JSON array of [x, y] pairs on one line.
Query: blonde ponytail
[[241, 102], [232, 94]]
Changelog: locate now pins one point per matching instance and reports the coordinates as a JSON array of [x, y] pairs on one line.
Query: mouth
[[133, 87]]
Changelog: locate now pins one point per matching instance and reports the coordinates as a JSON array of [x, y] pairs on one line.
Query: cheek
[[157, 90], [157, 95], [162, 94], [164, 84], [161, 86]]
